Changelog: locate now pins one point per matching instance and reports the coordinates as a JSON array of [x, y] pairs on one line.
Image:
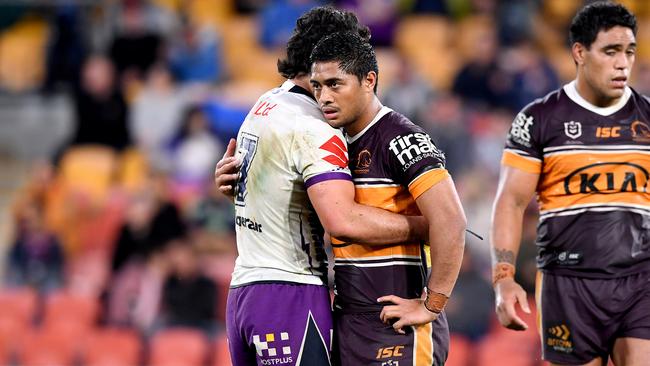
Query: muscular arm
[[516, 188], [348, 220], [441, 206]]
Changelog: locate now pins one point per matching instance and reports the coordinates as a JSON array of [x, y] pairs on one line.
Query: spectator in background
[[470, 309], [36, 258], [408, 93], [446, 120], [381, 16], [138, 41], [278, 18], [212, 221], [66, 49], [524, 75], [100, 107], [156, 114], [195, 150], [477, 80], [151, 222], [189, 298], [196, 56]]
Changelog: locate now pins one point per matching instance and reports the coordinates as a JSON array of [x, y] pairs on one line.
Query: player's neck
[[592, 96], [365, 118], [302, 81]]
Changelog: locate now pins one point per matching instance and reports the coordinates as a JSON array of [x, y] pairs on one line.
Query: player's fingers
[[226, 174], [390, 298], [398, 327], [225, 161], [515, 322], [389, 312], [230, 150], [226, 179], [523, 301], [227, 190]]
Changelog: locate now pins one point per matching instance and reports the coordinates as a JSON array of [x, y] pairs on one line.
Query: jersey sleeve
[[414, 160], [320, 152], [522, 149]]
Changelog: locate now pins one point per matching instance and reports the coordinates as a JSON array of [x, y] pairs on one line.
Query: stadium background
[[115, 248]]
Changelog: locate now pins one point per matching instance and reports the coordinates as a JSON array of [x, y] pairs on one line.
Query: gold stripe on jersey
[[423, 344], [581, 179], [367, 251], [525, 163], [539, 281], [427, 180], [388, 197]]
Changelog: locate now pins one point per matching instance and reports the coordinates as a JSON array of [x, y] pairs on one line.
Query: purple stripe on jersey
[[326, 176]]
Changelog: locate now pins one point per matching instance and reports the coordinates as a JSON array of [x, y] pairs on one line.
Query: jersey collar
[[382, 112], [572, 92], [293, 88]]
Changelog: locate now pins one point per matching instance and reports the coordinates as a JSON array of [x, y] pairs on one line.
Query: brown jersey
[[392, 161], [594, 167]]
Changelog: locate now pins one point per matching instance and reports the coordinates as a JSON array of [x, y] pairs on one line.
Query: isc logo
[[387, 352], [608, 132]]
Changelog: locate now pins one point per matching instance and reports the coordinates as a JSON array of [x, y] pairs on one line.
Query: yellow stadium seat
[[23, 55]]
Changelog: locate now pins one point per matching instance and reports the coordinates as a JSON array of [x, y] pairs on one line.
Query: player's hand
[[508, 294], [227, 170], [406, 311]]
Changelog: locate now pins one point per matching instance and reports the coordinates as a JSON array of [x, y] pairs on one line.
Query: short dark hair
[[353, 53], [599, 16], [310, 28]]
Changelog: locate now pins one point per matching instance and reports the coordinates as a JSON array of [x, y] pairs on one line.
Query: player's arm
[[441, 206], [515, 190], [350, 221]]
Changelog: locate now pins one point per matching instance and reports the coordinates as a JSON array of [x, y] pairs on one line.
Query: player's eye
[[631, 52]]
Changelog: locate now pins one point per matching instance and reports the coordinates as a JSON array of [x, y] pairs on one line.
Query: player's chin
[[336, 123]]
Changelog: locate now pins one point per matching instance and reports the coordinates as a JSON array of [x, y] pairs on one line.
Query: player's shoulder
[[289, 106], [393, 124], [641, 100]]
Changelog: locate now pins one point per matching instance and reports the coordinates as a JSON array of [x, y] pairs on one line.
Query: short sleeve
[[414, 159], [522, 150], [320, 152]]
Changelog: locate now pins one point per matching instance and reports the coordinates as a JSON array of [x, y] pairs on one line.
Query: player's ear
[[370, 81], [579, 52]]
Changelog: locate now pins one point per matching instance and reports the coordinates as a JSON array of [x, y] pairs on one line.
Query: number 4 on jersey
[[245, 153]]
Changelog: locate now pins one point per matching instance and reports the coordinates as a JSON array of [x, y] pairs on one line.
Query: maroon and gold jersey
[[594, 167], [393, 161]]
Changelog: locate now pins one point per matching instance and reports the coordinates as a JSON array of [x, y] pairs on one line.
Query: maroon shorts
[[363, 339], [581, 318]]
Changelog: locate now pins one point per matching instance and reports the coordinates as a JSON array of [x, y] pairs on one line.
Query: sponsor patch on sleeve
[[412, 148]]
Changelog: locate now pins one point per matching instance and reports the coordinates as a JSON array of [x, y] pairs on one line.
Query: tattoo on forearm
[[504, 255]]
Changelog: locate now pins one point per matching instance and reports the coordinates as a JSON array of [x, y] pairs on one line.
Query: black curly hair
[[353, 53], [599, 16], [310, 28]]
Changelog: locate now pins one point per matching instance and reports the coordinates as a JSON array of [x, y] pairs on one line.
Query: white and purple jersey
[[285, 146]]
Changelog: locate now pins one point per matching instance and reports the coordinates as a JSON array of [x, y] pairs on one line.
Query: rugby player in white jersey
[[294, 182]]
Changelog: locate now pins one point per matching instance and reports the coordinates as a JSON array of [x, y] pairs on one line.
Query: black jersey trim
[[300, 90]]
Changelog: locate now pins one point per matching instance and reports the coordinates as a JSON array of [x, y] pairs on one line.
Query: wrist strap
[[435, 302], [502, 270]]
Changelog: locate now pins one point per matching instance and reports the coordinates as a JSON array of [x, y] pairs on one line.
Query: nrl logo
[[573, 129]]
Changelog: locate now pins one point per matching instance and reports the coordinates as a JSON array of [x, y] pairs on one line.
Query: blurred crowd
[[120, 213]]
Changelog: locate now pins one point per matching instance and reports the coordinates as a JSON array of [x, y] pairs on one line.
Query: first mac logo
[[413, 147]]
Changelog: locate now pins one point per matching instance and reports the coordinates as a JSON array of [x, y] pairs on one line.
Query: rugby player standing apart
[[395, 166], [293, 177], [584, 150]]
